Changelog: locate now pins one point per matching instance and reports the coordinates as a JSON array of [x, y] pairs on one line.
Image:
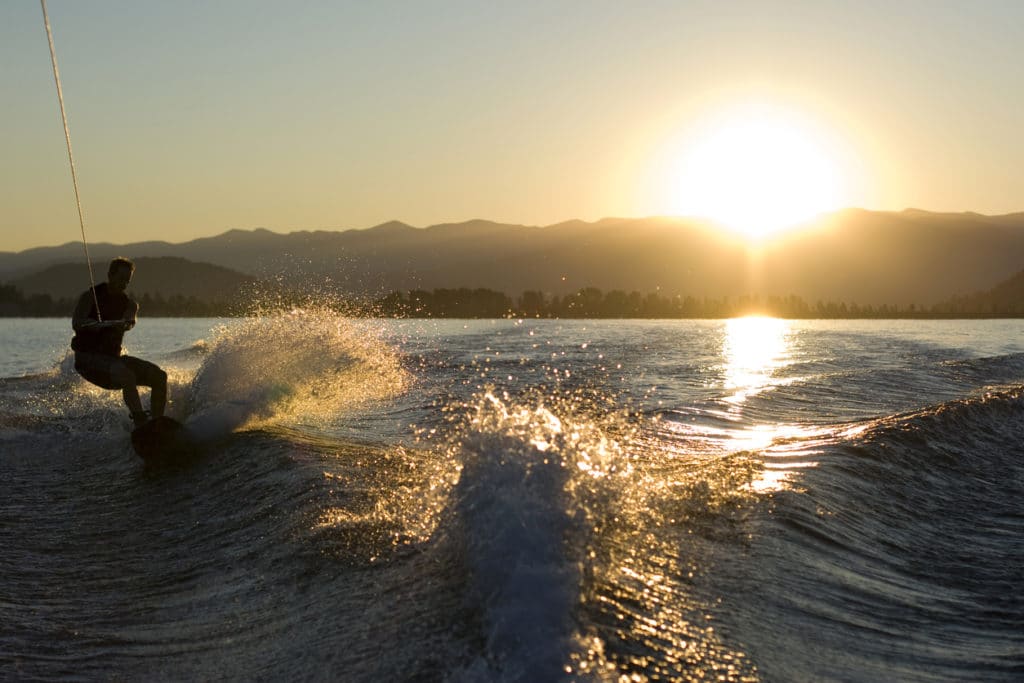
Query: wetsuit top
[[107, 340]]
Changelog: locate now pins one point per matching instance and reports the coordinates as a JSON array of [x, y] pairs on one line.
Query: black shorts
[[97, 368]]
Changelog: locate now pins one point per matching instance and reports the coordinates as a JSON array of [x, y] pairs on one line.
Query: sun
[[757, 170]]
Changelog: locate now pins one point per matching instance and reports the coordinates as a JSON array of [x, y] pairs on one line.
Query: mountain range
[[855, 255]]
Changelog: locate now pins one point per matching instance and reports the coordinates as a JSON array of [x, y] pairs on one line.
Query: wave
[[906, 530], [959, 435], [308, 367], [536, 482], [580, 533], [546, 535]]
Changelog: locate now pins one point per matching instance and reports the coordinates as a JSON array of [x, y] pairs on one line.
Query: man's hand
[[123, 325]]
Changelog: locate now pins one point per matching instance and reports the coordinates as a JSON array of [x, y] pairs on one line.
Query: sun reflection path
[[754, 349]]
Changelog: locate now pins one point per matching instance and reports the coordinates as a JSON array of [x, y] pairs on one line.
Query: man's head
[[120, 274]]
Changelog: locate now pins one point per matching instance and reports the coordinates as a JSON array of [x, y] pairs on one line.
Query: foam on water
[[574, 536], [304, 367], [527, 504]]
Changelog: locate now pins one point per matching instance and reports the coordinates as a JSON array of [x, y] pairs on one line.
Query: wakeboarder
[[99, 357]]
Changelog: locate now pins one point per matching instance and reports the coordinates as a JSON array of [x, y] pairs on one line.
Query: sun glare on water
[[756, 171], [754, 348]]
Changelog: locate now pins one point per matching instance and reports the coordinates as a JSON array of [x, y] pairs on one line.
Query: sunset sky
[[192, 118]]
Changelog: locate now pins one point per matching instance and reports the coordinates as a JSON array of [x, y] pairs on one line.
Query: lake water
[[506, 500]]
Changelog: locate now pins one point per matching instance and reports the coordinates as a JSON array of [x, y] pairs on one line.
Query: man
[[97, 344]]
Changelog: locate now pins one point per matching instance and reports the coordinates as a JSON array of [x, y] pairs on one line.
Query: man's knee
[[146, 374], [152, 375]]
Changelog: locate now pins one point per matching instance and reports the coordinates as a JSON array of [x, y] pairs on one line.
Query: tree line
[[589, 302], [16, 304]]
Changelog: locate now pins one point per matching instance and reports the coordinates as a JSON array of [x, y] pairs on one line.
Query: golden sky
[[191, 118]]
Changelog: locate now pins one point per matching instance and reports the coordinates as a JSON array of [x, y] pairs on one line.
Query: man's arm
[[80, 318], [131, 314]]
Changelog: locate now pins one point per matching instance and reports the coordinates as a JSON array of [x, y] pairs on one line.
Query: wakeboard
[[163, 439]]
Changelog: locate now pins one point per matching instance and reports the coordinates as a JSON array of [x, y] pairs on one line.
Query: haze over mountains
[[853, 255], [165, 275]]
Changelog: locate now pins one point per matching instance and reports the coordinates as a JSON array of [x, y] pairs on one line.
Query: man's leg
[[149, 375], [113, 372], [123, 376]]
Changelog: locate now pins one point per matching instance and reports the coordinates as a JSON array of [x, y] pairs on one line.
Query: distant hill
[[161, 276], [858, 256], [1006, 298]]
